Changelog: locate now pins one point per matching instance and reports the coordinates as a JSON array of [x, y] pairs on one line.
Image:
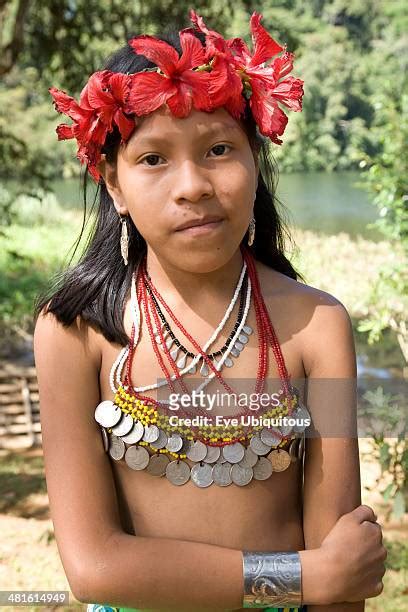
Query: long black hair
[[97, 286]]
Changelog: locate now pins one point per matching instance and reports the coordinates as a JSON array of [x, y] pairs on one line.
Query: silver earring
[[251, 232], [124, 240]]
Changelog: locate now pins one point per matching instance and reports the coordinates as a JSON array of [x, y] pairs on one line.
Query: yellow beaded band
[[148, 415]]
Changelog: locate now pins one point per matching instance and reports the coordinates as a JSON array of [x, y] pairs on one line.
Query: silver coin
[[286, 430], [174, 443], [250, 458], [116, 447], [242, 338], [269, 437], [239, 346], [258, 446], [247, 330], [151, 433], [187, 444], [161, 440], [201, 475], [241, 476], [178, 472], [300, 414], [157, 465], [301, 448], [233, 452], [213, 454], [135, 434], [293, 449], [105, 439], [235, 352], [124, 425], [197, 452], [137, 457], [263, 469], [107, 414], [228, 362], [221, 459], [221, 473]]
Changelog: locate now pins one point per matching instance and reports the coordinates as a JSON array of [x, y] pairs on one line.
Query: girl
[[163, 496]]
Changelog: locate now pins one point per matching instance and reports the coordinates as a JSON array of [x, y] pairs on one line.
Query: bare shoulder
[[52, 336], [319, 321]]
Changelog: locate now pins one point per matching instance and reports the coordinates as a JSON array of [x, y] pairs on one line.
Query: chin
[[201, 260]]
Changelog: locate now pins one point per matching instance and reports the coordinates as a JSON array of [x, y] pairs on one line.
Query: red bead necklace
[[266, 335]]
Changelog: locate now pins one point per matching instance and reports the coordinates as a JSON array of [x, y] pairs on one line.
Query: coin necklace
[[219, 462]]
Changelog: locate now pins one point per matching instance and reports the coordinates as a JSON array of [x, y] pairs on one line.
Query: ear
[[109, 173]]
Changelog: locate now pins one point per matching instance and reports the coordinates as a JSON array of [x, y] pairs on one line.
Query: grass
[[29, 257]]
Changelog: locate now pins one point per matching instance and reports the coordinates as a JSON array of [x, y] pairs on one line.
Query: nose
[[191, 183]]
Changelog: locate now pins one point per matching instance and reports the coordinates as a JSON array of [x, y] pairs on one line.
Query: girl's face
[[173, 173]]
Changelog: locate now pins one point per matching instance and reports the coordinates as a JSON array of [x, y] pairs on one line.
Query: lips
[[199, 221]]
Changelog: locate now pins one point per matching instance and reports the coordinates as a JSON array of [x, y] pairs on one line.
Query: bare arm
[[332, 472]]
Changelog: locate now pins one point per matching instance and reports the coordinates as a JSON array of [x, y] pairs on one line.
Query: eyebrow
[[152, 140]]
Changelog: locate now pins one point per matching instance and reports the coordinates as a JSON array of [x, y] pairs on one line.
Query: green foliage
[[383, 412], [386, 178], [397, 557], [345, 50]]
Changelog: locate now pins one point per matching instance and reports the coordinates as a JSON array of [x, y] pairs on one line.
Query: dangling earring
[[124, 240], [251, 232]]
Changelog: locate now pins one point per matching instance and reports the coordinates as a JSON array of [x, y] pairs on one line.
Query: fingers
[[363, 513]]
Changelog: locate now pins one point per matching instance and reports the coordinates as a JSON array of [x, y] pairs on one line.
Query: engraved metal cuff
[[272, 579]]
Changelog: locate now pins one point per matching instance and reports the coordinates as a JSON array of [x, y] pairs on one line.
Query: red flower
[[261, 83], [99, 109], [177, 84]]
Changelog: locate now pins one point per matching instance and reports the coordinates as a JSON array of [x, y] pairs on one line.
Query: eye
[[219, 147], [152, 157]]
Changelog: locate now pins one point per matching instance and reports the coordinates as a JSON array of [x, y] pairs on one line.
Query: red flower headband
[[223, 73]]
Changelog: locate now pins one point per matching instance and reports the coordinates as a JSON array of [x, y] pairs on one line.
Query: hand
[[354, 557]]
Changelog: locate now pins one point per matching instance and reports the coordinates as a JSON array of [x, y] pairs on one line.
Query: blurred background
[[344, 193]]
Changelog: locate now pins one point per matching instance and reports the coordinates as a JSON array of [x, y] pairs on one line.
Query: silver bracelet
[[272, 579]]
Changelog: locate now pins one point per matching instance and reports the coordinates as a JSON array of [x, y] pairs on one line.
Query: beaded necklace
[[134, 425]]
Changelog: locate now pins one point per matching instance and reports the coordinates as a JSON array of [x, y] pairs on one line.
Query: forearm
[[161, 573]]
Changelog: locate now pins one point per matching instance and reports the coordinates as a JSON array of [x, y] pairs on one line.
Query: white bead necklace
[[135, 312]]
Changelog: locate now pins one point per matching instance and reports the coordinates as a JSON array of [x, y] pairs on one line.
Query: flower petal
[[213, 40], [269, 117], [157, 51], [199, 84], [282, 65], [126, 126], [96, 93], [225, 84], [199, 23], [65, 132], [239, 48], [264, 46], [181, 102], [193, 53], [290, 92], [148, 92], [63, 102], [120, 86]]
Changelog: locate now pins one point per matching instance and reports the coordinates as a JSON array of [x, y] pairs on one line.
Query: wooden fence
[[19, 407]]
